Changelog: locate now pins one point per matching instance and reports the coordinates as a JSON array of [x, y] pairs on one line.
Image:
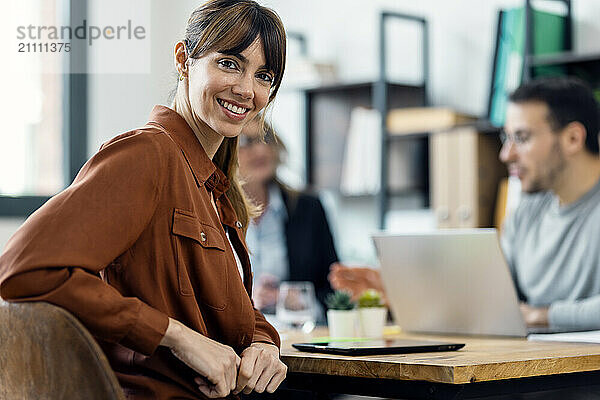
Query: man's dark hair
[[568, 100]]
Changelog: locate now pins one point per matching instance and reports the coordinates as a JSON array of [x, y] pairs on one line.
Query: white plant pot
[[372, 321], [342, 323]]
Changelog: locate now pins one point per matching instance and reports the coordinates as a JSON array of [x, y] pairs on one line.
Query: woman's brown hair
[[229, 27]]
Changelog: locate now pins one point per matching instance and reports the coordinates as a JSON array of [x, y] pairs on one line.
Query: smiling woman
[[147, 246], [228, 65]]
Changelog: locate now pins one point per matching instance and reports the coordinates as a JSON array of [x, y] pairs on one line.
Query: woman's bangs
[[247, 28], [235, 41], [274, 45]]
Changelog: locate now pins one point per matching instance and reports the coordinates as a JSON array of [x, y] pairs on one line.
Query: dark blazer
[[309, 241]]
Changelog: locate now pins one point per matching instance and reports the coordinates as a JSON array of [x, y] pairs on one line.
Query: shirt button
[[203, 236], [238, 224]]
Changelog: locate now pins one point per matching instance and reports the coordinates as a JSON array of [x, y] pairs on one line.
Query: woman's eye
[[228, 64], [265, 77]]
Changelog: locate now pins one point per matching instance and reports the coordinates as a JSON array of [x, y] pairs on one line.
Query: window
[[43, 136]]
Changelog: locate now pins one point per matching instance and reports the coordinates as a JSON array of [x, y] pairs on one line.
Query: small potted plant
[[341, 315], [372, 313]]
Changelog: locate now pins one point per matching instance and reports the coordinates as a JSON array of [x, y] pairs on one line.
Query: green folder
[[548, 38]]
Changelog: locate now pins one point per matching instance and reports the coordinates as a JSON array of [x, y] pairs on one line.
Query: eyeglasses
[[247, 141], [519, 138]]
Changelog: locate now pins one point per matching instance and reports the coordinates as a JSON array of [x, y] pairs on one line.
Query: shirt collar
[[276, 204], [204, 170], [590, 194]]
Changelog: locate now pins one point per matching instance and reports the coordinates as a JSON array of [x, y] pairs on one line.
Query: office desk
[[484, 367]]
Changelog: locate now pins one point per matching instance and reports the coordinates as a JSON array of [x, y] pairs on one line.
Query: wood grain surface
[[47, 354], [482, 359]]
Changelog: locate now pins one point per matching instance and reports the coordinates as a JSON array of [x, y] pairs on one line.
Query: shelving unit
[[529, 69], [584, 66], [568, 59], [518, 37], [466, 172], [327, 119], [562, 63], [327, 116]]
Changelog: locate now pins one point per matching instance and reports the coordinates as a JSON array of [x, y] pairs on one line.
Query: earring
[[181, 77]]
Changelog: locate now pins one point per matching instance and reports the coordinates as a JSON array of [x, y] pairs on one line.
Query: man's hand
[[534, 316], [260, 369], [355, 279], [215, 362]]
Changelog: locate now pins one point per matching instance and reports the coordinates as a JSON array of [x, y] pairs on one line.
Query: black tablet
[[388, 346]]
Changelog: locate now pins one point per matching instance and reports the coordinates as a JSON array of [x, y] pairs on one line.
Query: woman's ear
[[180, 59]]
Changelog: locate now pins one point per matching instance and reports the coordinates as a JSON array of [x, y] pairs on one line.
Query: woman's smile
[[233, 110]]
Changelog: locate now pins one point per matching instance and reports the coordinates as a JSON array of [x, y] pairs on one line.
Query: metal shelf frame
[[380, 99], [380, 90]]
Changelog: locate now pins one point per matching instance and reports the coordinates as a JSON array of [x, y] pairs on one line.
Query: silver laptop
[[449, 281]]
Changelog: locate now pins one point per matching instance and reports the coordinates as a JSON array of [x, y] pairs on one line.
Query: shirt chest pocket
[[201, 260]]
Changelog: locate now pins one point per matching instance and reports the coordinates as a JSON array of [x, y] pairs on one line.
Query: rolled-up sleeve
[[58, 253]]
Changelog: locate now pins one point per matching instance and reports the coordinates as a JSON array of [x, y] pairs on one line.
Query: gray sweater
[[554, 256]]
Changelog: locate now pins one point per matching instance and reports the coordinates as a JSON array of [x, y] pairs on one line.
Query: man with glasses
[[552, 240]]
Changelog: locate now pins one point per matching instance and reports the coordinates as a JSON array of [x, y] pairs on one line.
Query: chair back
[[46, 353]]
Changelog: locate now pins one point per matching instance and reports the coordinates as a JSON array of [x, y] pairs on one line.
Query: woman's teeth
[[232, 108]]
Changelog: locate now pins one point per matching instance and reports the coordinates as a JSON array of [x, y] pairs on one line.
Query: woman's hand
[[215, 362], [260, 369]]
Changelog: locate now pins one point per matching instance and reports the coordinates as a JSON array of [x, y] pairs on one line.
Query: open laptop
[[449, 281]]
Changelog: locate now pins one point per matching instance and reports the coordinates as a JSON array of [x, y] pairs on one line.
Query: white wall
[[119, 102], [8, 226], [340, 31]]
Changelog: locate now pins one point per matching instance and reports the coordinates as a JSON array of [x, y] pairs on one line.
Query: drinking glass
[[296, 305]]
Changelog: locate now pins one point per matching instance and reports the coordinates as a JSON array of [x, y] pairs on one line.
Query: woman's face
[[258, 160], [227, 91]]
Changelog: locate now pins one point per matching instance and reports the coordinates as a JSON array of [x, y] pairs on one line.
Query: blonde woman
[[291, 239], [146, 247]]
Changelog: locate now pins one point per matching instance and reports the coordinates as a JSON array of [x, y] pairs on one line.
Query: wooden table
[[485, 366]]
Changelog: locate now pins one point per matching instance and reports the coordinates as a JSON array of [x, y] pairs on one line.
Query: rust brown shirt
[[135, 240]]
